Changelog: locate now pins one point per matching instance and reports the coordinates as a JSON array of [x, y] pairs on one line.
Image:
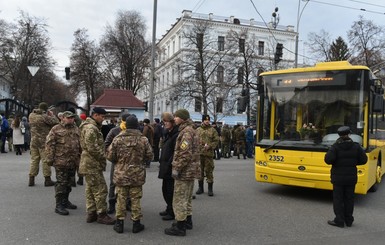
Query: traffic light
[[145, 105], [278, 53], [67, 71]]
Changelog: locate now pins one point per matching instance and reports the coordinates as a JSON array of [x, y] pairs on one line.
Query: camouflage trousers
[[225, 148], [96, 193], [240, 147], [207, 169], [37, 156], [63, 180], [136, 193], [182, 200]]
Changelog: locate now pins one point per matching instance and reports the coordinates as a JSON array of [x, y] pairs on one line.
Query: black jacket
[[344, 156], [167, 153]]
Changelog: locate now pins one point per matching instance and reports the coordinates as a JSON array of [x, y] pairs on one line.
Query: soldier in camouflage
[[240, 141], [226, 141], [63, 150], [92, 165], [185, 169], [208, 141], [41, 121], [130, 151]]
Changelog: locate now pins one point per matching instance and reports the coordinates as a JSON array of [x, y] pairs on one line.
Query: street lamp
[[299, 14]]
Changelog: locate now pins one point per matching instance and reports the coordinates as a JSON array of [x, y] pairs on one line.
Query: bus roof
[[322, 66]]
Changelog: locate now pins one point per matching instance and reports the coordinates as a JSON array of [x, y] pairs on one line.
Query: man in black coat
[[344, 156], [165, 168]]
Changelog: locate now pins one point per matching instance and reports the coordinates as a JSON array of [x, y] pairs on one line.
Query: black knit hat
[[132, 122], [205, 117], [125, 115], [99, 110], [146, 121]]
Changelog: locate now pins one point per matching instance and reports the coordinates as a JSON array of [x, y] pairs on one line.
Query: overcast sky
[[66, 16]]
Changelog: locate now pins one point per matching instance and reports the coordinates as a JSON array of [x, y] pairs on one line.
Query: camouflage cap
[[68, 114]]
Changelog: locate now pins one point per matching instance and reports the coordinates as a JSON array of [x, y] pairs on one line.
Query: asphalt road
[[242, 211]]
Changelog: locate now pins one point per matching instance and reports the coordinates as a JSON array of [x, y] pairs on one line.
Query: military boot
[[119, 226], [111, 206], [177, 230], [67, 203], [200, 188], [80, 180], [103, 218], [48, 181], [210, 191], [60, 209], [137, 226], [31, 181], [92, 217], [189, 223]]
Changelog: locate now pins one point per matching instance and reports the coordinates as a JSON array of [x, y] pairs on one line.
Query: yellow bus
[[299, 112]]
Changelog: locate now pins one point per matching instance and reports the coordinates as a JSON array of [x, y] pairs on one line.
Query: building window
[[240, 75], [219, 105], [198, 104], [261, 48], [200, 41], [221, 43], [241, 45], [197, 71], [220, 74]]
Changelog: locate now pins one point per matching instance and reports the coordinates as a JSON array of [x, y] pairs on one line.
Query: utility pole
[[152, 75]]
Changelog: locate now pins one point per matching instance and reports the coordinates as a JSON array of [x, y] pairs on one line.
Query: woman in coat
[[18, 134]]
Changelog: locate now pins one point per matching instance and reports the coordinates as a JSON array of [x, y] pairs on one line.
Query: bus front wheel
[[378, 179]]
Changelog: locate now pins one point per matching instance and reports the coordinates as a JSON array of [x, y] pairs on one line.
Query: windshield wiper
[[276, 143]]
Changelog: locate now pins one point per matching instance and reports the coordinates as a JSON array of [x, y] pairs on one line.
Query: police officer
[[92, 165], [41, 121], [130, 150], [208, 138], [185, 168], [344, 156], [63, 152]]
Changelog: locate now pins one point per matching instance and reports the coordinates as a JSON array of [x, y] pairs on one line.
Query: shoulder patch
[[184, 145]]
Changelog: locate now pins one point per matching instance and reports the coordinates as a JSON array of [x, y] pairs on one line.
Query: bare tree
[[205, 79], [368, 42], [126, 53], [23, 44], [319, 45], [85, 63]]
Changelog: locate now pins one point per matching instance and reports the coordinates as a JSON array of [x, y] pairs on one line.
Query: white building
[[175, 51], [5, 91]]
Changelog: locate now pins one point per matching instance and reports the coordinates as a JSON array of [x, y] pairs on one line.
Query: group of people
[[14, 134], [186, 154]]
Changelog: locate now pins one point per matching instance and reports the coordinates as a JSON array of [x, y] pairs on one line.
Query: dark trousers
[[168, 194], [343, 203], [155, 149], [63, 180], [111, 191]]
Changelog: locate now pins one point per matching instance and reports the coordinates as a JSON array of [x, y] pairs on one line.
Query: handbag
[[22, 128]]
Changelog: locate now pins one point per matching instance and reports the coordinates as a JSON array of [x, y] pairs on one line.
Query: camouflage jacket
[[207, 136], [226, 134], [240, 135], [62, 147], [93, 158], [186, 155], [130, 150], [40, 124]]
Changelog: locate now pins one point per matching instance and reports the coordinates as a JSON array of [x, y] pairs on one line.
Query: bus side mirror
[[377, 103]]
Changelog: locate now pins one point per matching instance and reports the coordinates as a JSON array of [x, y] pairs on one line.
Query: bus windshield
[[306, 109]]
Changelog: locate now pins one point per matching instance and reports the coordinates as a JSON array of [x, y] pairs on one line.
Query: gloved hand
[[175, 174]]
